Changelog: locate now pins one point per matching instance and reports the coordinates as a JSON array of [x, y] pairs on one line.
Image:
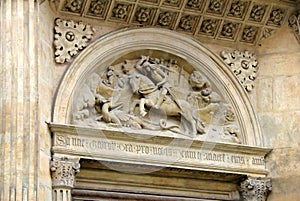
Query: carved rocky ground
[[225, 21]]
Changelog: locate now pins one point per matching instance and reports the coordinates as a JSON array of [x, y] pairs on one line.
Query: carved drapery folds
[[69, 38], [64, 171], [294, 23], [156, 95], [255, 189], [244, 66]]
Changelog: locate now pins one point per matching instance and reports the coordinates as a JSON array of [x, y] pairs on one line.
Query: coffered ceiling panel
[[231, 21]]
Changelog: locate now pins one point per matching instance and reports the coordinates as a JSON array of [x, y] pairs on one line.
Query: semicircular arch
[[107, 48]]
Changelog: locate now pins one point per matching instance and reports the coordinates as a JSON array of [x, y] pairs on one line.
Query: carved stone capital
[[64, 171], [244, 65], [294, 23], [69, 38], [255, 189]]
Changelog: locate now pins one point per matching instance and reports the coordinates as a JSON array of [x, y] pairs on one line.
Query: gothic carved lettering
[[244, 65], [70, 38]]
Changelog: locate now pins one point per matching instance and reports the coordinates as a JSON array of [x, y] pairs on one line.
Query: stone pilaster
[[19, 127], [63, 177], [255, 189]]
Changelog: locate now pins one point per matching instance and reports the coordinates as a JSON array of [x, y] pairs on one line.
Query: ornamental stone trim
[[294, 23], [63, 172], [70, 38], [255, 189], [244, 66], [231, 16]]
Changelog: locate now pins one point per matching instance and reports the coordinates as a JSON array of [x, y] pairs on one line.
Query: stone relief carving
[[229, 30], [249, 34], [216, 6], [209, 27], [194, 4], [255, 189], [143, 15], [121, 11], [244, 66], [238, 9], [63, 171], [276, 17], [257, 12], [155, 95], [70, 38], [73, 5], [294, 23], [165, 18], [172, 14]]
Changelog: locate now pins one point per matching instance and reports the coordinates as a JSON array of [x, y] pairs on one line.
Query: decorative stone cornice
[[64, 171], [69, 38], [244, 66], [255, 189], [219, 21], [294, 23]]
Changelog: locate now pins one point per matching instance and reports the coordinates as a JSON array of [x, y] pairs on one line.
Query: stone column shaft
[[19, 118]]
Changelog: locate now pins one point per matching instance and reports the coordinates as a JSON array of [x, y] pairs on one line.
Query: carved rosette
[[294, 23], [63, 172], [244, 66], [255, 189], [69, 38]]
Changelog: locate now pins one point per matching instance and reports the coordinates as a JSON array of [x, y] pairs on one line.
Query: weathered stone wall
[[277, 100]]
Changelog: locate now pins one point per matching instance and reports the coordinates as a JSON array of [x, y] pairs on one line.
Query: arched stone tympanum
[[128, 43]]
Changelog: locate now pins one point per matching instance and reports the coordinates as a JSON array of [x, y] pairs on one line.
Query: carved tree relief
[[155, 95]]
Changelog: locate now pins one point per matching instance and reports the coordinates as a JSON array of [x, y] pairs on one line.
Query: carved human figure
[[152, 71], [150, 94]]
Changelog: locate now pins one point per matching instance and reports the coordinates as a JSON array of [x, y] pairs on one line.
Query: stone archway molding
[[124, 41]]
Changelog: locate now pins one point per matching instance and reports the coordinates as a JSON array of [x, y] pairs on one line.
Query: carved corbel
[[244, 66], [255, 189], [294, 23], [63, 177], [69, 38]]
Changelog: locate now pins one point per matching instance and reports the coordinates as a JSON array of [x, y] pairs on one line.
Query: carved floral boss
[[69, 38]]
